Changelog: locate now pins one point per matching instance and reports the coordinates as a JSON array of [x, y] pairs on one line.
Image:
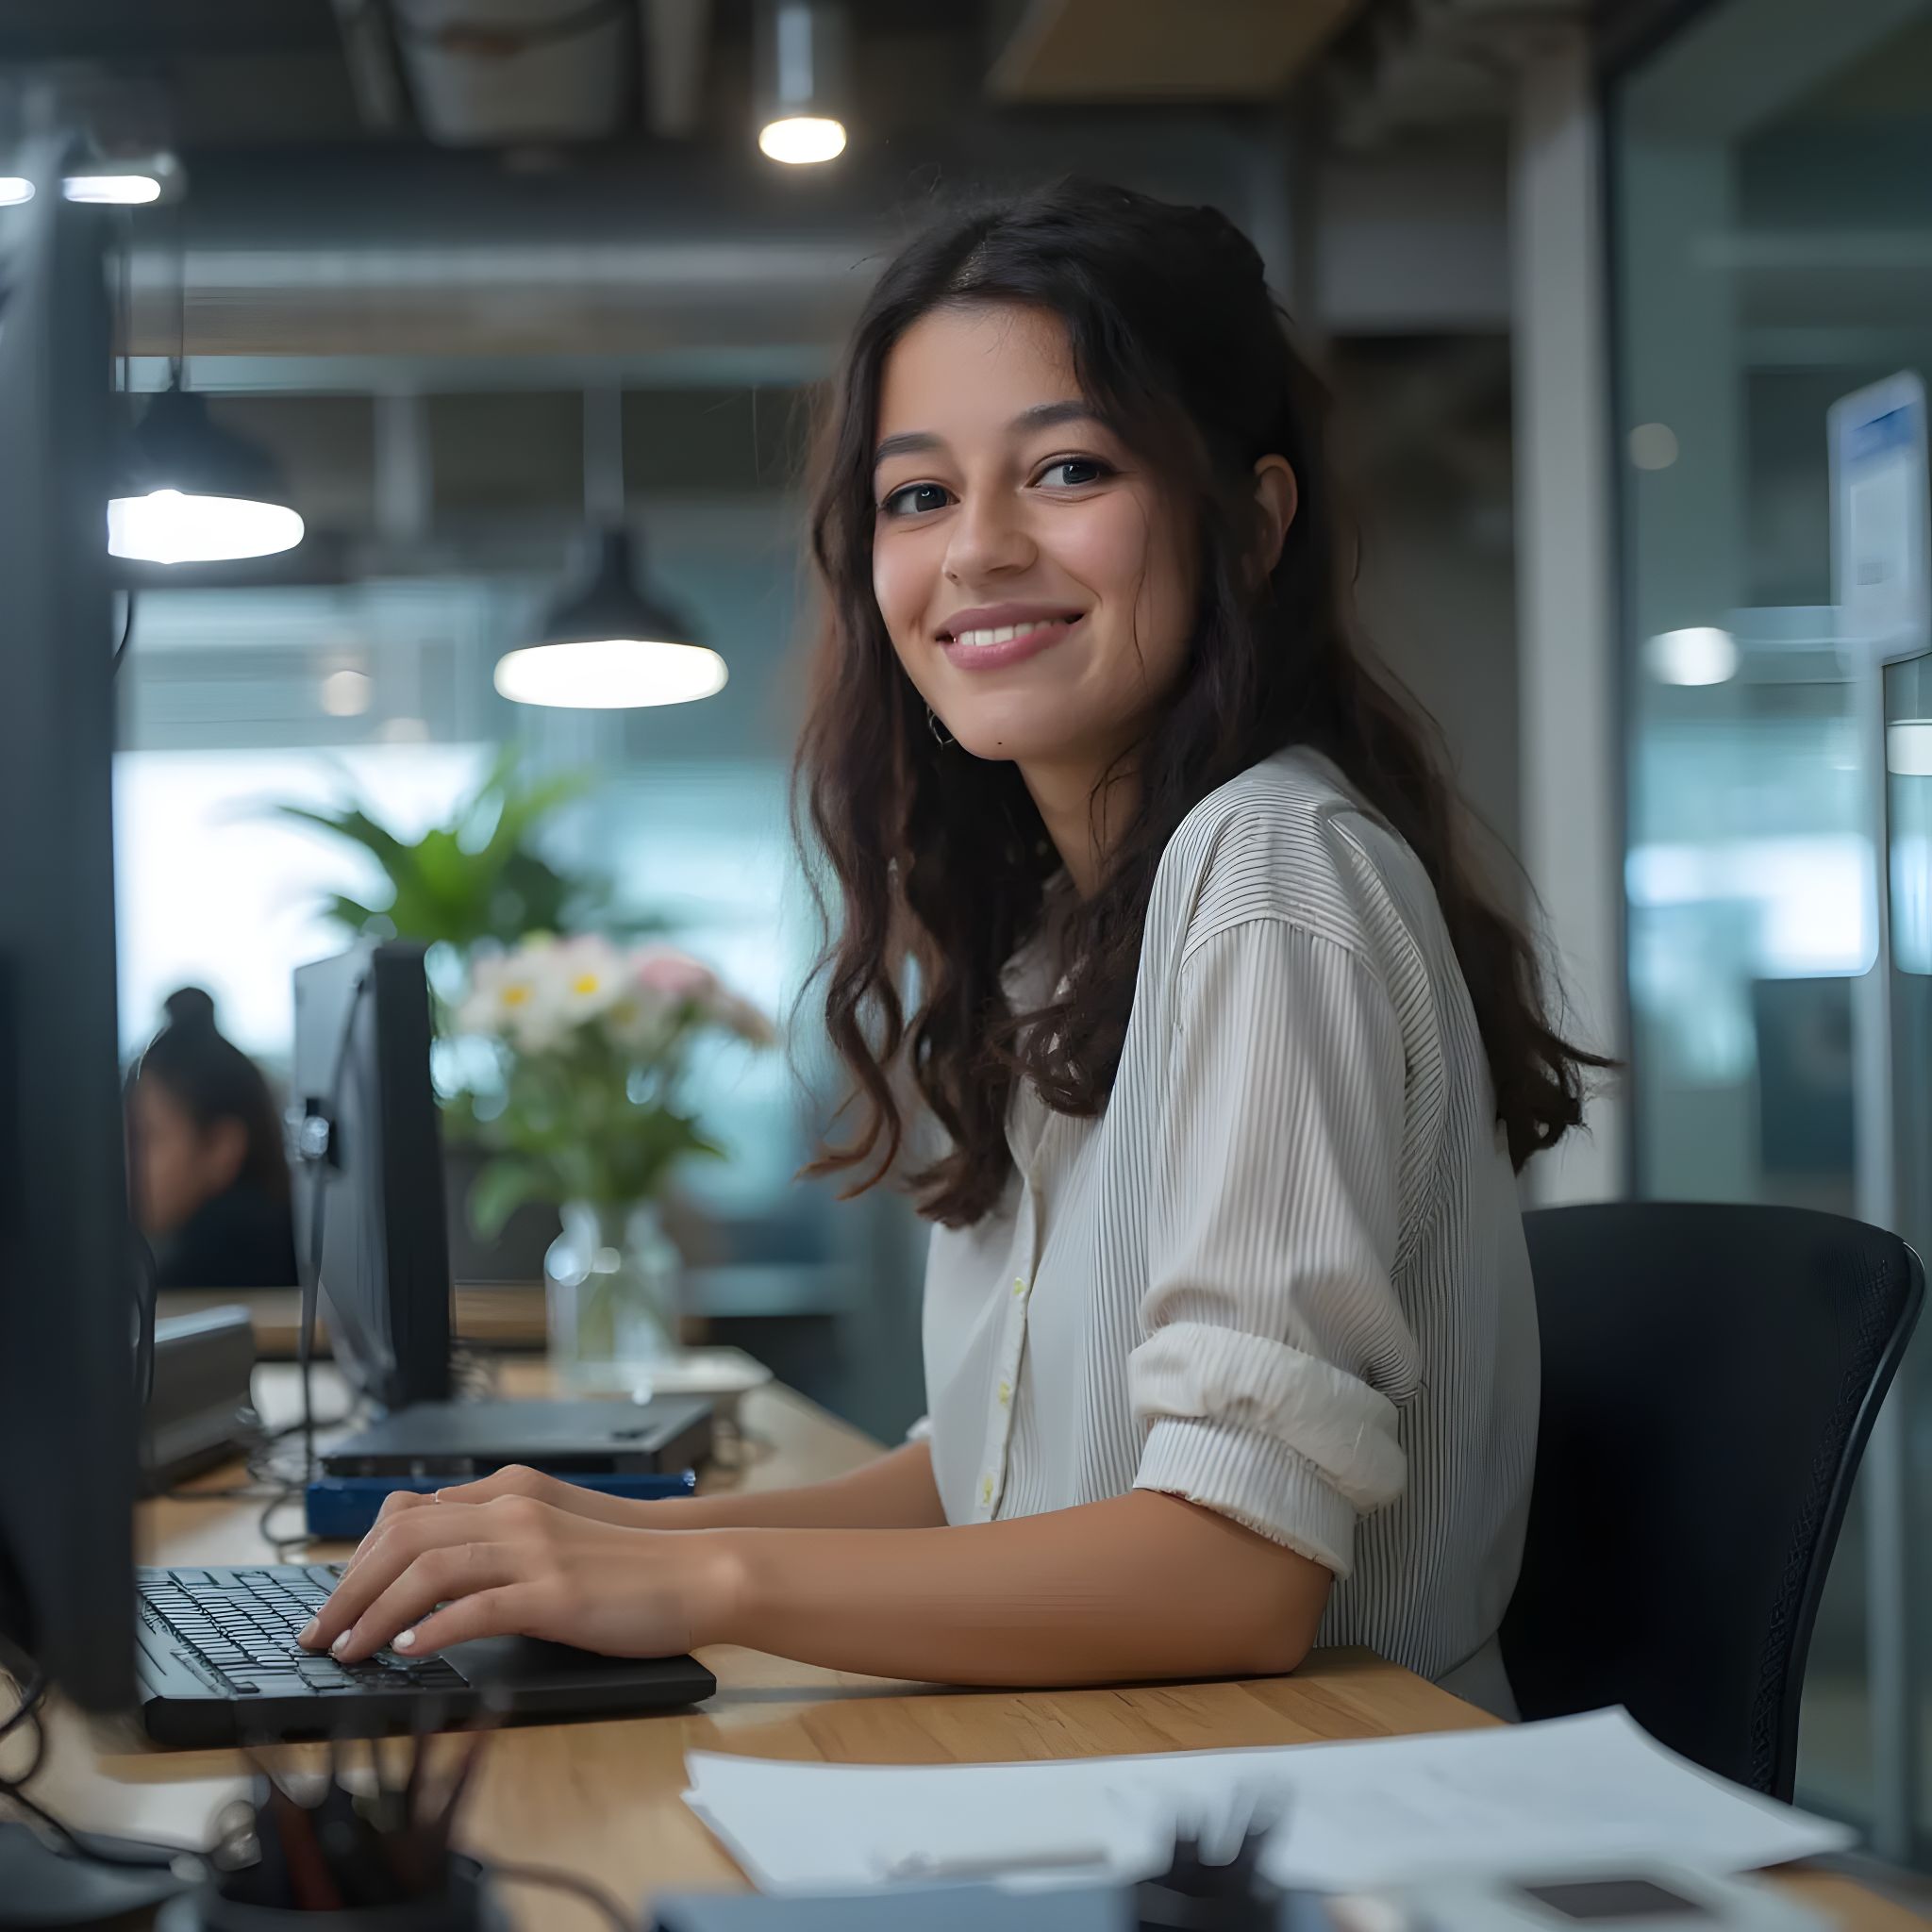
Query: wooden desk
[[605, 1799], [509, 1318]]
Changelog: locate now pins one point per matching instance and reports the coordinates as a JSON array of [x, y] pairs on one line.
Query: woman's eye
[[1072, 472], [915, 499]]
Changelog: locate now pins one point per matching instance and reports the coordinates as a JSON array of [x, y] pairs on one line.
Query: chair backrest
[[1710, 1377]]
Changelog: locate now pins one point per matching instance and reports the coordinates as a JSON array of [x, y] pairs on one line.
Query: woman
[[211, 1186], [1228, 1329]]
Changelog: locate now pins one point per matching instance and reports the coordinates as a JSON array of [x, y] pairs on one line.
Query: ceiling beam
[[1096, 51]]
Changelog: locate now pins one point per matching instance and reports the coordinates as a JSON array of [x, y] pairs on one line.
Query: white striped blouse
[[1283, 1274]]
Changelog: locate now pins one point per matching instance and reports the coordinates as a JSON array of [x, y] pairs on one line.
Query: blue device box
[[344, 1509]]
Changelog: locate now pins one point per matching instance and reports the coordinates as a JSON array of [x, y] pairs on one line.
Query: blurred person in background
[[1226, 1059], [211, 1184]]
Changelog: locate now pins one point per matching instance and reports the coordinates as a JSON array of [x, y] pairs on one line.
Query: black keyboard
[[242, 1625]]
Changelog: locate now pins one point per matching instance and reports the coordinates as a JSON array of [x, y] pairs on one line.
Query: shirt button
[[1006, 1393], [1019, 1286], [986, 1490]]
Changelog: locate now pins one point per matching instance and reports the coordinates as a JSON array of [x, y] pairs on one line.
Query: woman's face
[[178, 1166], [1027, 567]]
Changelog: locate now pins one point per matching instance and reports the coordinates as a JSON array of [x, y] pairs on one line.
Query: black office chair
[[1710, 1377]]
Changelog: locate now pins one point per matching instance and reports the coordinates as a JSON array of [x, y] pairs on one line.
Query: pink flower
[[673, 975]]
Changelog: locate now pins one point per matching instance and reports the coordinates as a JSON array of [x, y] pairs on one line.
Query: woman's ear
[[1278, 494]]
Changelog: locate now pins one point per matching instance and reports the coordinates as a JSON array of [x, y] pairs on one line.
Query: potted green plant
[[476, 877]]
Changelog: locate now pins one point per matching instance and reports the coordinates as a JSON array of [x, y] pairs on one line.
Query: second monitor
[[372, 1239]]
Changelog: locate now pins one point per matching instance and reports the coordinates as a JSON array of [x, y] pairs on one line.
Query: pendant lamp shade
[[611, 645], [194, 492]]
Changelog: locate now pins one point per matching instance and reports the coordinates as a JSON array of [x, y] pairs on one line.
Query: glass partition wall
[[1771, 170]]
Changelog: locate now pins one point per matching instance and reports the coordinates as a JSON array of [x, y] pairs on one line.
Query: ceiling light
[[16, 189], [345, 693], [127, 180], [803, 140], [610, 675], [112, 191], [1702, 654], [802, 80], [1653, 445], [195, 493], [611, 646]]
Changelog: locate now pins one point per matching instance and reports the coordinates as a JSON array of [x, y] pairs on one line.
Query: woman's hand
[[573, 1499], [444, 1573]]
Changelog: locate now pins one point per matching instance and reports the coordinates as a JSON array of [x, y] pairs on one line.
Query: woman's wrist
[[721, 1607]]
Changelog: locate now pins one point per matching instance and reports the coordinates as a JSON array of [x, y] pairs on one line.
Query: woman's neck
[[1084, 810]]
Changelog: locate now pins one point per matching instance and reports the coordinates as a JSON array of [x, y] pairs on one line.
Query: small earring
[[940, 736]]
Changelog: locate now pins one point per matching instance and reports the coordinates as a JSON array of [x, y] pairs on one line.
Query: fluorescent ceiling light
[[611, 674], [16, 189], [170, 527], [113, 191], [803, 140], [1702, 654]]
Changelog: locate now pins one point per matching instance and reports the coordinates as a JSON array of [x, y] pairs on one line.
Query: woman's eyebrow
[[911, 443], [919, 443]]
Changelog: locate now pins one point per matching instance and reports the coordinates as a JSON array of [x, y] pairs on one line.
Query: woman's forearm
[[893, 1492], [1139, 1586]]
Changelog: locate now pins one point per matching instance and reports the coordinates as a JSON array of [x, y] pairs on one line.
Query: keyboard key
[[279, 1684]]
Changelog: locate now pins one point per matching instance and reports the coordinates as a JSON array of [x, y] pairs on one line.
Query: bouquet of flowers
[[587, 1043]]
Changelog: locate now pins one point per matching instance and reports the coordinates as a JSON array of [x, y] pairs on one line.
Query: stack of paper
[[1571, 1793]]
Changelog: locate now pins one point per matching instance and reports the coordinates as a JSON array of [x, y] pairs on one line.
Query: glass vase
[[611, 1282]]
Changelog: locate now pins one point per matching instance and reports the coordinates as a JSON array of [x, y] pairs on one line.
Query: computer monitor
[[371, 1235], [69, 1284]]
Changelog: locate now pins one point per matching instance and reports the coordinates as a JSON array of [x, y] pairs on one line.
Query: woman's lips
[[1011, 644]]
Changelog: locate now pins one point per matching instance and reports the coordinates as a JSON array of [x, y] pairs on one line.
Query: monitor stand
[[41, 1886]]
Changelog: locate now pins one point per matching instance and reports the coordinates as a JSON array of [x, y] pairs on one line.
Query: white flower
[[591, 977], [518, 996]]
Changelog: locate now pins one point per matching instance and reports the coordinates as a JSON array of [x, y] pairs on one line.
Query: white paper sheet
[[1571, 1792]]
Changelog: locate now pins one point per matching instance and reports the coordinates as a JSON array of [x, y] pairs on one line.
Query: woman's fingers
[[512, 1609], [447, 1574], [391, 1547], [397, 1502], [513, 1479]]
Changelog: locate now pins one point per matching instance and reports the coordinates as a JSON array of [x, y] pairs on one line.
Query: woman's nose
[[989, 536]]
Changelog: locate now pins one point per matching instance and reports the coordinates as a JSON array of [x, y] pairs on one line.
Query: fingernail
[[340, 1645], [306, 1639], [405, 1640]]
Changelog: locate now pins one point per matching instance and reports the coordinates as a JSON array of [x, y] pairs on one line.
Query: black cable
[[593, 1894], [148, 1301], [32, 1687], [127, 632], [32, 1683]]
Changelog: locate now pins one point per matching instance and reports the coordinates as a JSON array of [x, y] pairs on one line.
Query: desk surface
[[605, 1799]]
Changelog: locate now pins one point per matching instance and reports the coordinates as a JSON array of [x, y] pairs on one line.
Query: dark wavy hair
[[941, 860]]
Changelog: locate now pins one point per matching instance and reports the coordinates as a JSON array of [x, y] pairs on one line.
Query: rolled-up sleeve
[[1276, 1352]]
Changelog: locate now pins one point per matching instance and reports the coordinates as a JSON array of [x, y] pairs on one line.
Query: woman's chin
[[1039, 735]]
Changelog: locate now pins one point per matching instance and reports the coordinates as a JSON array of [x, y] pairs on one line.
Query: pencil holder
[[470, 1904]]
